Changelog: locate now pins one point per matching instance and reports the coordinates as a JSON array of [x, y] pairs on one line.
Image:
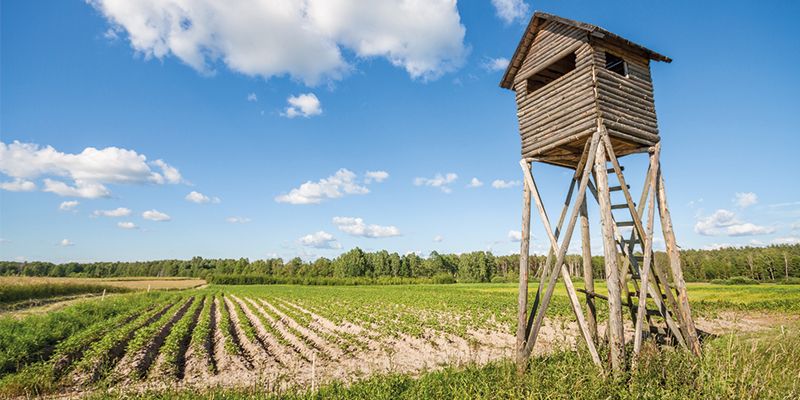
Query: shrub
[[742, 280], [444, 279]]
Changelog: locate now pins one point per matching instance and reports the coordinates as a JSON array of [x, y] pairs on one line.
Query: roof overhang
[[533, 28]]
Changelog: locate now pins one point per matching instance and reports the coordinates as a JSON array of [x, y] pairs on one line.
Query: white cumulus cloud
[[474, 183], [438, 238], [66, 243], [126, 225], [18, 185], [438, 181], [377, 176], [501, 184], [514, 236], [511, 10], [117, 212], [307, 40], [496, 64], [343, 182], [155, 215], [725, 222], [68, 205], [303, 105], [237, 220], [252, 97], [90, 170], [357, 227], [320, 240], [199, 198], [746, 199]]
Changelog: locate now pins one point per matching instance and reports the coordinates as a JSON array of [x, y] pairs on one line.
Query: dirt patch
[[732, 321]]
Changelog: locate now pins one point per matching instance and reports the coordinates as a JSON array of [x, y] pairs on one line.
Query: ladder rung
[[632, 241], [619, 206], [649, 296], [593, 294], [624, 223], [618, 188], [653, 313], [611, 170]]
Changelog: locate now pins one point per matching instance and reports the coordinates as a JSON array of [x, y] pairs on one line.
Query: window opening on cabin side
[[616, 64], [552, 72]]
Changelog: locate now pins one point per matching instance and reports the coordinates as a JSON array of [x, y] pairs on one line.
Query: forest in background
[[772, 263]]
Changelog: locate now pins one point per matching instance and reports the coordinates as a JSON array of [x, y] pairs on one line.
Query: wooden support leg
[[543, 278], [615, 330], [532, 335], [588, 279], [648, 252], [522, 360], [675, 265]]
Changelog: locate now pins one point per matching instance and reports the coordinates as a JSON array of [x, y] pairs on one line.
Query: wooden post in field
[[522, 301]]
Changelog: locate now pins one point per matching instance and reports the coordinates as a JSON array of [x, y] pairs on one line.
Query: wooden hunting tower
[[584, 99]]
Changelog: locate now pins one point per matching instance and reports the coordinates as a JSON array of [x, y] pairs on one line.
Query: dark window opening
[[551, 72], [616, 64]]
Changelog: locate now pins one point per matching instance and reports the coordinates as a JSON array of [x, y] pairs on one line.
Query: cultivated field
[[274, 338]]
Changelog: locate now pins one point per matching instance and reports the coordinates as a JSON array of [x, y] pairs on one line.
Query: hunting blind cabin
[[584, 100]]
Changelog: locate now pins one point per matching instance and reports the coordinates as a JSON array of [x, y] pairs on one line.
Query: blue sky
[[394, 110]]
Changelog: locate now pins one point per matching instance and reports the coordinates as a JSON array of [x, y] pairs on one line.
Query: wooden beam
[[543, 278], [522, 301], [675, 265], [648, 252], [588, 279], [616, 338]]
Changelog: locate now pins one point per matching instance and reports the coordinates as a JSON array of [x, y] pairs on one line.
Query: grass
[[762, 366]]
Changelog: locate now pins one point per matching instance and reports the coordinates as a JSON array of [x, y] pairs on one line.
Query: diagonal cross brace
[[561, 253]]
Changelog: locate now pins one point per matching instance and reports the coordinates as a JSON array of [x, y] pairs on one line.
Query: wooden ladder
[[661, 318]]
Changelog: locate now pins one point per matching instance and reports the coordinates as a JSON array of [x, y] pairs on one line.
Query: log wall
[[564, 107], [626, 103]]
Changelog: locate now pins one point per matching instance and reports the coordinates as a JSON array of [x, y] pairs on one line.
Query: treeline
[[759, 263]]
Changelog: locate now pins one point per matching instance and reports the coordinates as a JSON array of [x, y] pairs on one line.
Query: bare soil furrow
[[135, 366], [259, 355], [321, 345], [347, 335], [298, 345], [184, 343], [236, 335], [285, 356], [116, 353], [226, 363]]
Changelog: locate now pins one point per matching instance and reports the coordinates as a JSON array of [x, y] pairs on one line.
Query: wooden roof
[[535, 24]]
